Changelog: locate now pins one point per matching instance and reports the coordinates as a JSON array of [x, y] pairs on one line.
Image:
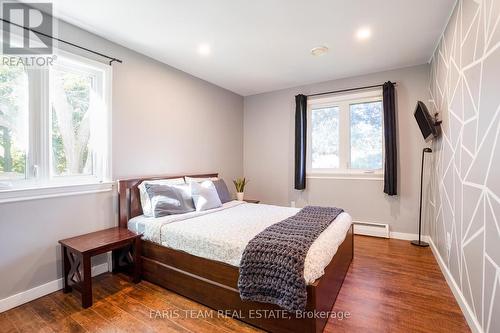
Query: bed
[[197, 255]]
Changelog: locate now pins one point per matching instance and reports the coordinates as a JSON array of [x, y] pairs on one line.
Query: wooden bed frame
[[214, 283]]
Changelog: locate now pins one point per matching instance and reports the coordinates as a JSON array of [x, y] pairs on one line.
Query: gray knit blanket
[[272, 266]]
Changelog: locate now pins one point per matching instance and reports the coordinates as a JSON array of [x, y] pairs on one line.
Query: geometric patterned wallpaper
[[463, 208]]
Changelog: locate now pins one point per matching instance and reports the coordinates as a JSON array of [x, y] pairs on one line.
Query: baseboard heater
[[371, 229]]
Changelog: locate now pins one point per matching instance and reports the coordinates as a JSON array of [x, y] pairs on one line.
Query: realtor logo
[[35, 16]]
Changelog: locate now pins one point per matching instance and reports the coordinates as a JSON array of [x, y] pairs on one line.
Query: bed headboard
[[129, 201]]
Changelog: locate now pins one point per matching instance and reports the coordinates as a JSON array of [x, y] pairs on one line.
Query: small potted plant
[[240, 183]]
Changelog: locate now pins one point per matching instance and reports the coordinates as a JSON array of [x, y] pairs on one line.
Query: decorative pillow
[[205, 195], [222, 191], [199, 179], [185, 190], [169, 199], [147, 210]]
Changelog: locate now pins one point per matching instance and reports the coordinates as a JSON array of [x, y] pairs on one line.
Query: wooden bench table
[[76, 253]]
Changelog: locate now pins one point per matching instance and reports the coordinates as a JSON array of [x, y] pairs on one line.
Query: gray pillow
[[222, 190], [170, 199]]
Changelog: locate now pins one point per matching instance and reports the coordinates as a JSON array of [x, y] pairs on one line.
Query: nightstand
[[252, 201], [76, 253]]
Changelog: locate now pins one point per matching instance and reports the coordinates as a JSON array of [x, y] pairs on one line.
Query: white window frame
[[101, 162], [39, 182], [343, 102]]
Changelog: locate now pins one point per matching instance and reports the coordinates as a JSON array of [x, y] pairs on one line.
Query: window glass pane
[[325, 138], [71, 100], [14, 125], [366, 135]]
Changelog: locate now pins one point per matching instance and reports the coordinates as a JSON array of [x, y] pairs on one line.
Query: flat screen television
[[428, 126]]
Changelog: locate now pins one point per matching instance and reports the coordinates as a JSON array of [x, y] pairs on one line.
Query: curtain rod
[[111, 59], [346, 90]]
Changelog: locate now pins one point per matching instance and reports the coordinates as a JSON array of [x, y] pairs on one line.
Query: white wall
[[269, 153], [164, 122], [30, 231]]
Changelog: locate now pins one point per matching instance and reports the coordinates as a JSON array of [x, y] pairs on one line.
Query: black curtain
[[391, 153], [300, 141]]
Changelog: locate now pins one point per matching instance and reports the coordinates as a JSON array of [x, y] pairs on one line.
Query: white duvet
[[222, 234]]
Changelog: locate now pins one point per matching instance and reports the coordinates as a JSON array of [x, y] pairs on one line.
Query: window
[[54, 123], [366, 135], [13, 122], [345, 134], [325, 138]]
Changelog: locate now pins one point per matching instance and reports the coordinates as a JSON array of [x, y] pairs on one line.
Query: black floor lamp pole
[[419, 242]]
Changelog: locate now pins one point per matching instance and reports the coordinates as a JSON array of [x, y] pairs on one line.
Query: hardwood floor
[[391, 286]]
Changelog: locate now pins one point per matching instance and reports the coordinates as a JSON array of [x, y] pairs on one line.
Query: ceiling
[[264, 45]]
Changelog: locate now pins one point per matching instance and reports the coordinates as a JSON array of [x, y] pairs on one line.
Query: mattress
[[222, 234]]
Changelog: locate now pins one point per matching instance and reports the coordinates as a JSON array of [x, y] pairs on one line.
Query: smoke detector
[[319, 50]]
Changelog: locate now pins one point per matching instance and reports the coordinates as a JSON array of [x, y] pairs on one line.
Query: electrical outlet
[[448, 241]]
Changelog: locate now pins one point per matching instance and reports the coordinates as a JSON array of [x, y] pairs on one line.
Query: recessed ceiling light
[[204, 49], [319, 50], [363, 33]]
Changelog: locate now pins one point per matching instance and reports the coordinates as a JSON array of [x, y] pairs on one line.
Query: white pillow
[[205, 195], [199, 180], [147, 208]]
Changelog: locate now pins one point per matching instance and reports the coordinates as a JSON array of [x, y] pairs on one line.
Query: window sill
[[347, 176], [53, 191]]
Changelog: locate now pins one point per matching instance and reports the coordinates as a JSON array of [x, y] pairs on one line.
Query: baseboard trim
[[474, 324], [407, 236], [39, 291], [360, 229]]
